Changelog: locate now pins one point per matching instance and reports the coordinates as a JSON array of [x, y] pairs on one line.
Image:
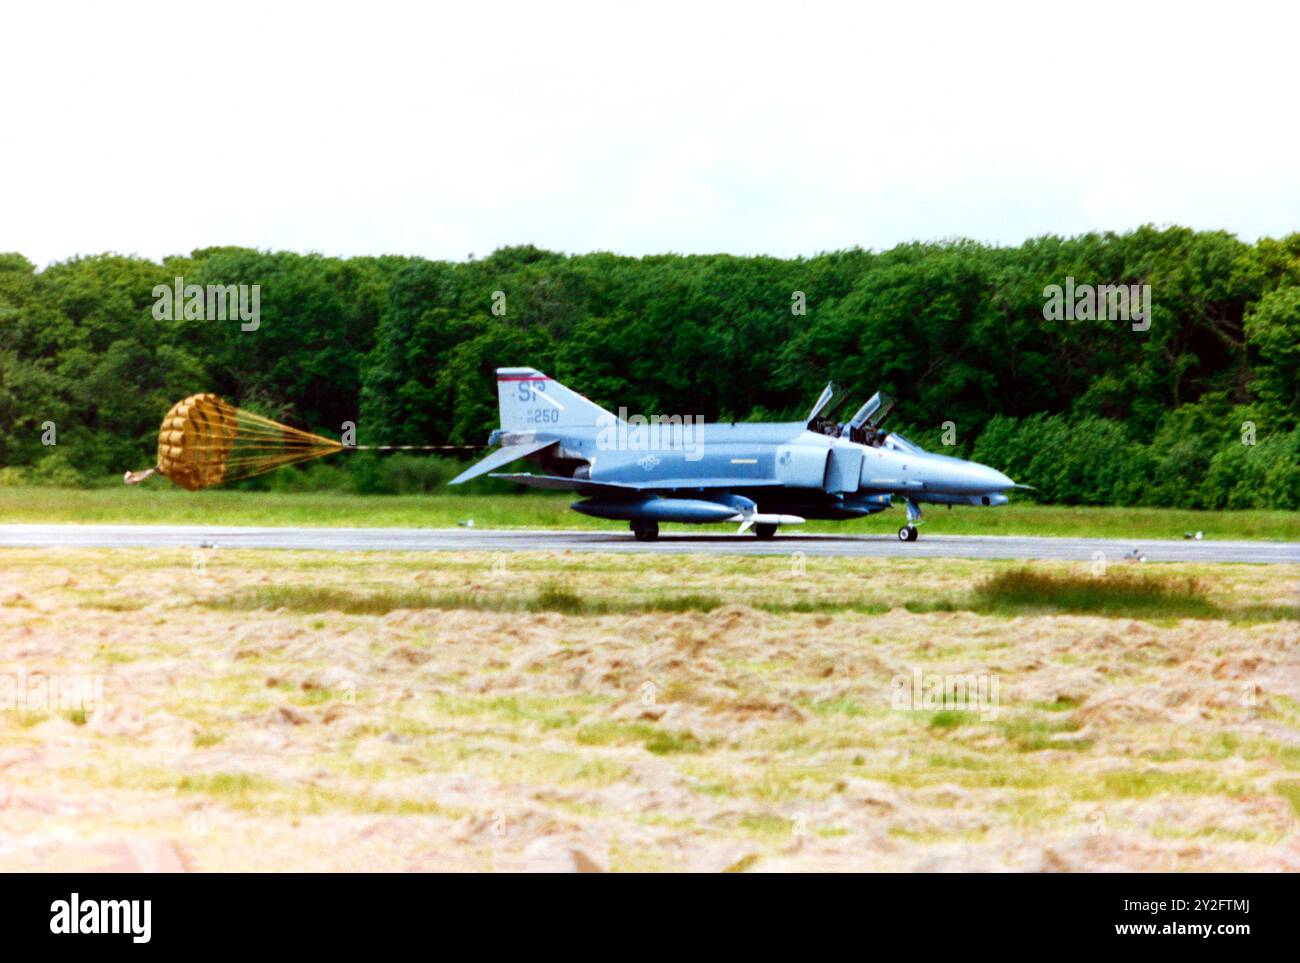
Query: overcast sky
[[787, 129]]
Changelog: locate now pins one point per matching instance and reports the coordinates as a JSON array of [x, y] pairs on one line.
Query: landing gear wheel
[[907, 533], [645, 531], [763, 530]]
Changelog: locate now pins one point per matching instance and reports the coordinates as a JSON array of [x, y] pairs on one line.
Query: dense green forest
[[1198, 411]]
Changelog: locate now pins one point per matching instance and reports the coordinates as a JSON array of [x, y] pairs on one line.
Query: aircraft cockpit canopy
[[820, 420], [897, 442]]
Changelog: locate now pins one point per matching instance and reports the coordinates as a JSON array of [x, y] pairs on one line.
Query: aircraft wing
[[560, 483], [695, 484], [500, 458]]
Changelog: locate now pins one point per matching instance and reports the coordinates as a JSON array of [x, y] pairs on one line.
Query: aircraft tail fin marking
[[532, 401]]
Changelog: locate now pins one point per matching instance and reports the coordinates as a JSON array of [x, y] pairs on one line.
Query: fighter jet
[[761, 474]]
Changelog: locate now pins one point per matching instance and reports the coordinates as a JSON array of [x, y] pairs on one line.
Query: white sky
[[790, 128]]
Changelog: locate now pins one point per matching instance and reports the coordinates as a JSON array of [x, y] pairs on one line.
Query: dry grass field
[[387, 711]]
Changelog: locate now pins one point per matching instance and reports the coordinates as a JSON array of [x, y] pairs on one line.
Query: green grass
[[311, 598], [846, 706], [157, 502], [1028, 734], [553, 597], [550, 597], [1121, 594], [1026, 590], [661, 742], [1142, 784], [254, 793], [1290, 791], [1020, 591], [238, 784]]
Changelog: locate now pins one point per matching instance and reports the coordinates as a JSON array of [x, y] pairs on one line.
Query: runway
[[516, 540]]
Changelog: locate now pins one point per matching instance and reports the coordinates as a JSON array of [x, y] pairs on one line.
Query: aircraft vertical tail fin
[[532, 401]]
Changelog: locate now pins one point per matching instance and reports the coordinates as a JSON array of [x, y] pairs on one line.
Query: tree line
[[1199, 409]]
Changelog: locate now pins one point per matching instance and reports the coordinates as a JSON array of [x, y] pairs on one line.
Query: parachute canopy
[[205, 441]]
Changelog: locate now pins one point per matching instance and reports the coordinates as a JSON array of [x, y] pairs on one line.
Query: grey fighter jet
[[760, 474]]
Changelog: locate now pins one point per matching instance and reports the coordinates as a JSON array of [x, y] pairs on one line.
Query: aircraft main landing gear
[[908, 532], [645, 531], [764, 530]]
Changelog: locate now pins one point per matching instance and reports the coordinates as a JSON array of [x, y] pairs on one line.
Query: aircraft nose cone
[[994, 479]]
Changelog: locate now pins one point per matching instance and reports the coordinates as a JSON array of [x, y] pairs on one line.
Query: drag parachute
[[205, 441]]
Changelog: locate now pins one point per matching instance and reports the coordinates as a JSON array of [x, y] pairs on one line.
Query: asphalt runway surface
[[517, 540]]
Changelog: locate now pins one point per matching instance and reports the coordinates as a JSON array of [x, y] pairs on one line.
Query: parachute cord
[[412, 447]]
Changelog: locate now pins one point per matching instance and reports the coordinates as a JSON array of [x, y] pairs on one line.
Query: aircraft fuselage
[[782, 467], [762, 474]]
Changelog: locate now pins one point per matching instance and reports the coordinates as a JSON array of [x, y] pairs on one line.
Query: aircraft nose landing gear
[[908, 532]]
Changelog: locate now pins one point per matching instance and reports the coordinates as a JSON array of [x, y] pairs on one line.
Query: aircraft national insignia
[[649, 462]]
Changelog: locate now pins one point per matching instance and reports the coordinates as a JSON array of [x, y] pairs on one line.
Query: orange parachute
[[205, 441]]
